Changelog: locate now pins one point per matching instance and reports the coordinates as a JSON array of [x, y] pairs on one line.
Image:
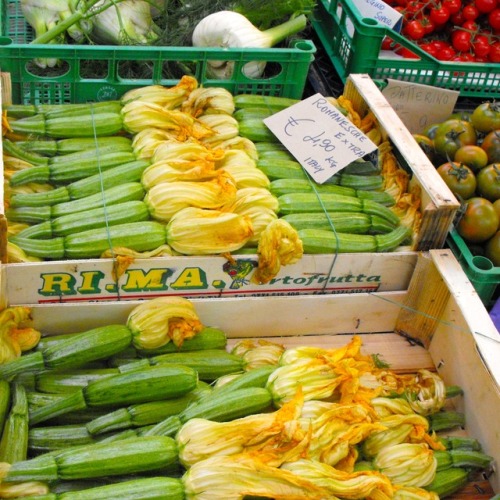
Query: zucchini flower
[[385, 407], [412, 493], [128, 22], [166, 97], [165, 199], [223, 127], [209, 100], [237, 157], [24, 489], [145, 142], [197, 231], [242, 144], [163, 172], [407, 464], [159, 321], [236, 477], [259, 204], [262, 353], [337, 431], [17, 334], [399, 429], [248, 177], [279, 245], [179, 154], [16, 255], [138, 115], [428, 393], [346, 485], [274, 437]]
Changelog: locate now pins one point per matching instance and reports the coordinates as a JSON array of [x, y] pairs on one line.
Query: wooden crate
[[439, 323], [94, 279]]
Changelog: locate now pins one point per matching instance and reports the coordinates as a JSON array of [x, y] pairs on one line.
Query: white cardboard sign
[[319, 136], [419, 105]]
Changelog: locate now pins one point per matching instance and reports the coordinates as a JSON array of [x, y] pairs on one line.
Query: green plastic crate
[[97, 73], [359, 51], [479, 269]]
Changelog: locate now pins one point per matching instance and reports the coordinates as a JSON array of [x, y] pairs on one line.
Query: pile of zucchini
[[93, 415], [75, 185]]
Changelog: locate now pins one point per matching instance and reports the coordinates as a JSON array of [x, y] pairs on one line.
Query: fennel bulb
[[228, 29], [128, 22]]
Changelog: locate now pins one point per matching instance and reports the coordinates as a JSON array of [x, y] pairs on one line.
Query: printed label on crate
[[419, 105], [319, 136], [93, 280], [381, 12]]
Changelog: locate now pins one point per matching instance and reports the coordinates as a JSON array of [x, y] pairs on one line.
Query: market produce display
[[175, 415], [187, 170], [466, 152], [451, 30]]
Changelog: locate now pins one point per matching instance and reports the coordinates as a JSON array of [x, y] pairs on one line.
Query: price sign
[[319, 136]]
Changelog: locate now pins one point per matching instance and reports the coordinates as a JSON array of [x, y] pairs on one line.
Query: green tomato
[[451, 135], [488, 182], [486, 117]]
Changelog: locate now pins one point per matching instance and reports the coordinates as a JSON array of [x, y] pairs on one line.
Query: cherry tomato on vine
[[457, 19], [479, 221], [439, 14], [481, 45], [470, 12], [414, 30], [491, 144], [494, 19], [488, 182], [461, 40], [459, 178], [446, 54], [387, 43], [485, 6], [451, 135], [494, 53], [486, 116], [453, 6], [473, 156], [470, 25]]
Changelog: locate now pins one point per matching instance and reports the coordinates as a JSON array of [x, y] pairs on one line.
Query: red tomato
[[485, 6], [494, 53], [481, 45], [457, 19], [439, 15], [470, 25], [461, 40], [414, 30], [470, 12], [494, 19], [428, 24], [453, 6], [387, 43], [446, 54]]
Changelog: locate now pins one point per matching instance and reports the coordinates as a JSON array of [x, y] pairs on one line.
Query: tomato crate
[[438, 323], [483, 274], [98, 73], [353, 45]]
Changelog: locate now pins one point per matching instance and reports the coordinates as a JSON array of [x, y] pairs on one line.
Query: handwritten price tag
[[319, 136]]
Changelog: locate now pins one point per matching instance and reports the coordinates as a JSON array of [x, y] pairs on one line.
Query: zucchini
[[255, 130], [229, 405], [14, 442], [126, 456], [71, 169], [4, 402], [127, 191], [273, 103], [95, 344], [56, 437], [448, 481], [153, 383], [319, 241], [138, 236], [71, 380], [208, 363], [208, 338], [75, 144], [150, 488], [256, 377]]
